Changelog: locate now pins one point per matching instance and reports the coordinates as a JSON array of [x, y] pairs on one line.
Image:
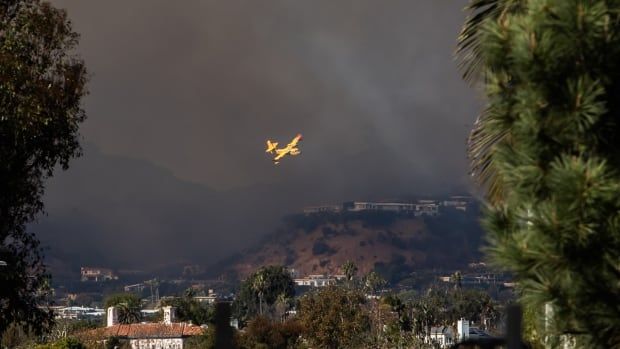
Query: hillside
[[390, 243]]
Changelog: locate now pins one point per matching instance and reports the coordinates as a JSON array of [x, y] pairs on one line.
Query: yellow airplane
[[290, 149]]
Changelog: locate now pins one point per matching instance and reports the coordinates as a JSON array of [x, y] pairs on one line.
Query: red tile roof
[[150, 330]]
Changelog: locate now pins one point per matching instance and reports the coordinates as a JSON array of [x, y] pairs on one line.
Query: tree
[[282, 305], [482, 139], [41, 86], [457, 279], [547, 140], [262, 288], [373, 282], [65, 343], [333, 317], [116, 343], [259, 285], [265, 333], [350, 271], [189, 309], [128, 307]]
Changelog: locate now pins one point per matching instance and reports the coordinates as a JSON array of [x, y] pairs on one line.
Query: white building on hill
[[421, 208], [315, 281]]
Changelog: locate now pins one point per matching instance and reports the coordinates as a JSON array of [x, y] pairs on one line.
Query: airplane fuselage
[[290, 149]]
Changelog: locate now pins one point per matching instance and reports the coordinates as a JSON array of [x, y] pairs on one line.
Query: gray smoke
[[189, 91]]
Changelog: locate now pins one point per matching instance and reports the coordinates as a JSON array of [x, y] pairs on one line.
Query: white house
[[315, 281], [462, 328], [78, 313], [442, 335], [163, 335], [445, 336], [97, 274]]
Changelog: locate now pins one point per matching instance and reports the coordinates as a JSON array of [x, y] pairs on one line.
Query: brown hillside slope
[[411, 242]]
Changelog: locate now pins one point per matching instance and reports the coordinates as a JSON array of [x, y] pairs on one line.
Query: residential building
[[134, 288], [445, 337], [421, 208], [321, 209], [210, 298], [97, 274], [163, 335], [379, 206], [462, 329], [442, 335], [315, 281], [459, 203], [78, 313]]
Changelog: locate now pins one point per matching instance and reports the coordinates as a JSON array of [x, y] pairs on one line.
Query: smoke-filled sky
[[184, 94]]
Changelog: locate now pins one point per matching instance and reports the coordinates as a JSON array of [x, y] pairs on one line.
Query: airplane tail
[[271, 146]]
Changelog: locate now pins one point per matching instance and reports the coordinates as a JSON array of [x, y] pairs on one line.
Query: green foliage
[[65, 343], [116, 343], [334, 317], [17, 337], [397, 306], [189, 309], [265, 333], [548, 136], [41, 85], [373, 282], [206, 341], [128, 305], [446, 307], [262, 288], [349, 268]]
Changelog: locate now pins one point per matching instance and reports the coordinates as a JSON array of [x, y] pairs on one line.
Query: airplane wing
[[281, 153], [294, 141]]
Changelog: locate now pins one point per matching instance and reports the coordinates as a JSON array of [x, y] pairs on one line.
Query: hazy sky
[[193, 89]]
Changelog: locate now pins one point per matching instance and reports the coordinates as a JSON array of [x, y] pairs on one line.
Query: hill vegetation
[[391, 243]]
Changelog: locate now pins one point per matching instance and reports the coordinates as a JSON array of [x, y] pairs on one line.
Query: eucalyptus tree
[[42, 83]]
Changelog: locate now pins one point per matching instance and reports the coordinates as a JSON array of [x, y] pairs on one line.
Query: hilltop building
[[459, 203], [97, 274], [134, 288], [418, 208], [320, 209], [315, 281], [422, 207]]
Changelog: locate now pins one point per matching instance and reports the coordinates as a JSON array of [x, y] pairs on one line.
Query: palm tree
[[129, 313], [259, 285], [282, 304], [457, 279], [350, 270], [488, 130], [374, 282]]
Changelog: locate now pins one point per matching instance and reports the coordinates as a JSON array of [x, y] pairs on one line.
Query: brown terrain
[[410, 242]]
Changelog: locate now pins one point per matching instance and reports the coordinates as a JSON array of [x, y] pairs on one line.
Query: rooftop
[[148, 330]]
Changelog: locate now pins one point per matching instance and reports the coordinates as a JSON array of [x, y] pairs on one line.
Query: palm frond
[[480, 144], [467, 52], [482, 138]]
